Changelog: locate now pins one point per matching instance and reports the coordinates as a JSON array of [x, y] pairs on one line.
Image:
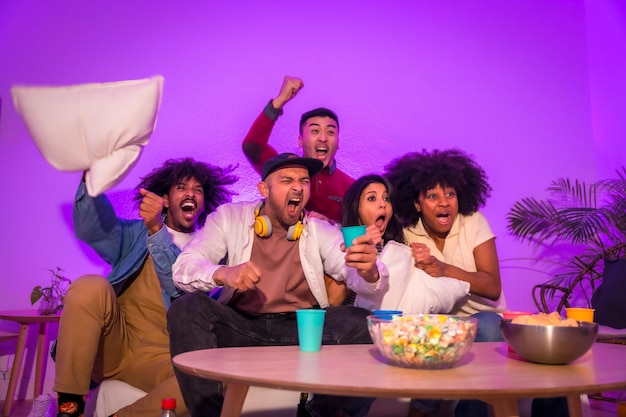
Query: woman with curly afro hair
[[437, 198], [438, 194]]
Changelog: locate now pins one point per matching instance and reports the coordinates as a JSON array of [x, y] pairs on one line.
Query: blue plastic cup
[[386, 314], [350, 233], [310, 329]]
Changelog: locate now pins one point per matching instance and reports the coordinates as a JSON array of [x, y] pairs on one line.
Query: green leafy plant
[[51, 297], [589, 217]]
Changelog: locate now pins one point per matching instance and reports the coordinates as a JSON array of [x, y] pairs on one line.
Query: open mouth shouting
[[443, 218], [188, 206], [321, 151], [381, 223], [294, 206]]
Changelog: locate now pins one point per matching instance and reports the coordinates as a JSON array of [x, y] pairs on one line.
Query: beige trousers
[[102, 336]]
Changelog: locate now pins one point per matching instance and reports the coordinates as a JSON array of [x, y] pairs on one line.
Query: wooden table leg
[[233, 399], [505, 407], [573, 404], [40, 360], [15, 370]]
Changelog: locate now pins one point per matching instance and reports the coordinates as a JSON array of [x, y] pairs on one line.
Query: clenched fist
[[242, 277], [289, 89], [150, 210]]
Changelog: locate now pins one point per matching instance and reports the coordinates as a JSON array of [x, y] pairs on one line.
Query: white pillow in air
[[99, 127]]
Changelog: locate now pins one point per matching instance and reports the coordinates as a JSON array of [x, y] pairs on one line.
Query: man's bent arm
[[255, 144]]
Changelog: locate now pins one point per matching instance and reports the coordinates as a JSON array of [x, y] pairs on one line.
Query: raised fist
[[289, 89]]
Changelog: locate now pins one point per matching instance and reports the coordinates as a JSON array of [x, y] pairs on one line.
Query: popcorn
[[430, 341]]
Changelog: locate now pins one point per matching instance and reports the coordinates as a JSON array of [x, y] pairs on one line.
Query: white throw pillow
[[99, 127]]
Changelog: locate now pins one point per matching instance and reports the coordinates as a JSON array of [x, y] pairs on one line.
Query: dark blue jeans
[[196, 321], [488, 331]]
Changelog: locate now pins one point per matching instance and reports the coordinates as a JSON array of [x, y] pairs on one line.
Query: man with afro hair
[[116, 327]]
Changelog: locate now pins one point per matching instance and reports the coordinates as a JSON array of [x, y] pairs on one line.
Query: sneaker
[[70, 405], [43, 406], [69, 409]]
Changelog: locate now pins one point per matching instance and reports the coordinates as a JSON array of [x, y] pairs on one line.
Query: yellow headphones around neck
[[263, 226]]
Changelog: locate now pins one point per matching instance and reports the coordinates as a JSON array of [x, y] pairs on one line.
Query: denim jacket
[[124, 244]]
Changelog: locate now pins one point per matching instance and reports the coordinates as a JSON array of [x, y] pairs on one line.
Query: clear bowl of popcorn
[[423, 341]]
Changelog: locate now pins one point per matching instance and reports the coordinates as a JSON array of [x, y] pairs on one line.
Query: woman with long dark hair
[[368, 202]]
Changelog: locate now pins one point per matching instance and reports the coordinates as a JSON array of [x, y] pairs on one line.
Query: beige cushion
[[101, 128], [112, 395]]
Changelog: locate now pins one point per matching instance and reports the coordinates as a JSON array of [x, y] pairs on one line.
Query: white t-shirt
[[466, 234], [180, 239]]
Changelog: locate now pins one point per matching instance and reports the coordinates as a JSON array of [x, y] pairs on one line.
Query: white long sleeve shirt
[[410, 289]]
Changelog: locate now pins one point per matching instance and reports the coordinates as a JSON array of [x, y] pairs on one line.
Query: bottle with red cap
[[168, 405]]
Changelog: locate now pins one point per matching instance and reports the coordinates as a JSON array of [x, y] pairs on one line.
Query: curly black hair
[[214, 180], [418, 172], [350, 206]]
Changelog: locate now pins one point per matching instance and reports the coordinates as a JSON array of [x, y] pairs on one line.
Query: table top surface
[[27, 316], [487, 370]]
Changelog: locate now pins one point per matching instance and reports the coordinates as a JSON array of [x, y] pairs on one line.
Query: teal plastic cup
[[350, 233], [310, 329], [386, 314]]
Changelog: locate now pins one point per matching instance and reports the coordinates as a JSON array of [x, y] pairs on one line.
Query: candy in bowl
[[423, 341]]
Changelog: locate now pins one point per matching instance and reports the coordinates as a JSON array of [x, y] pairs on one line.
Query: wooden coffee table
[[488, 372]]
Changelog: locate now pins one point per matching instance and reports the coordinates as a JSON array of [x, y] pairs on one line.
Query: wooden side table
[[25, 318]]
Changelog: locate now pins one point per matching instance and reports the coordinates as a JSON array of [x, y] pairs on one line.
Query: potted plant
[[591, 218], [51, 298]]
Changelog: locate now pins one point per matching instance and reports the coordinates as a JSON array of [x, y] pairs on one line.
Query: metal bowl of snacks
[[423, 341], [548, 339]]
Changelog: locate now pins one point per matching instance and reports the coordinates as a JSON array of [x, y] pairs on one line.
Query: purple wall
[[534, 90]]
